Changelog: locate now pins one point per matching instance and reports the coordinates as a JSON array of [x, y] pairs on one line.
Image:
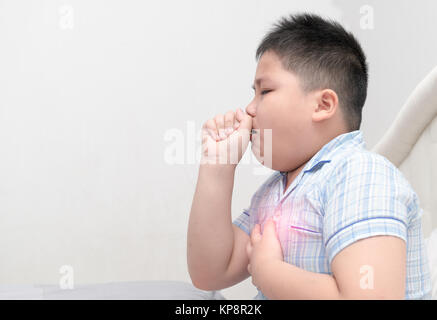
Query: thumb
[[270, 228], [244, 119], [255, 236]]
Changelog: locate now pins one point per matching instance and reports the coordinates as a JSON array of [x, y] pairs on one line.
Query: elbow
[[206, 283], [201, 283], [201, 286], [197, 283]]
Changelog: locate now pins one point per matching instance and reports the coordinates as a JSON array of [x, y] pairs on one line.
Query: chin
[[267, 162]]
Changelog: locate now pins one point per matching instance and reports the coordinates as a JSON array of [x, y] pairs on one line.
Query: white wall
[[89, 90]]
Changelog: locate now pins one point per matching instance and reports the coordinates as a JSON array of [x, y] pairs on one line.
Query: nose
[[251, 109]]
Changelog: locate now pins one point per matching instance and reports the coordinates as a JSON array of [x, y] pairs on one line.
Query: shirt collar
[[325, 154]]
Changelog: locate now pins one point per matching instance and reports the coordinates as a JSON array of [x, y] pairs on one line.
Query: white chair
[[411, 145]]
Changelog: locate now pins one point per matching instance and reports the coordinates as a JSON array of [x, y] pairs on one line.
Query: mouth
[[253, 131]]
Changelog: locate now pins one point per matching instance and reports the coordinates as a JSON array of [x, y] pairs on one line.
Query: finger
[[239, 114], [270, 228], [213, 134], [255, 236], [245, 123], [220, 123], [236, 124], [229, 122], [209, 133], [205, 136], [211, 128]]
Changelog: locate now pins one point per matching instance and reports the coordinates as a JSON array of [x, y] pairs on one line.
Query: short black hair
[[323, 55]]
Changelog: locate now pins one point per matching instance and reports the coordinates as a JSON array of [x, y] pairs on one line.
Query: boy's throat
[[291, 175]]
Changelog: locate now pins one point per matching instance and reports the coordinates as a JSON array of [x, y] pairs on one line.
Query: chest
[[299, 226]]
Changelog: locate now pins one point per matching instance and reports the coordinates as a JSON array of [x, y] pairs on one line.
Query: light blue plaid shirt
[[343, 194]]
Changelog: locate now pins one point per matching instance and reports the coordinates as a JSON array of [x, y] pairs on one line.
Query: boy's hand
[[225, 138], [263, 249]]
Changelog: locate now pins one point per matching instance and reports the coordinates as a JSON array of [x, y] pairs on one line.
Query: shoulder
[[365, 165], [357, 157], [367, 176]]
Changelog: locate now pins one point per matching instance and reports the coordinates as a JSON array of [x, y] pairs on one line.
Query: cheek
[[270, 146], [279, 123], [278, 112]]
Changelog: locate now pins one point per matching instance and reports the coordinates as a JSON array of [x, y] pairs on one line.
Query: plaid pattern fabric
[[343, 194]]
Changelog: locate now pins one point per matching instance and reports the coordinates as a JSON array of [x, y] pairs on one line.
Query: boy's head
[[313, 88]]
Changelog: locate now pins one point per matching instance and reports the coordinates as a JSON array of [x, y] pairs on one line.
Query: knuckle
[[229, 115], [210, 124]]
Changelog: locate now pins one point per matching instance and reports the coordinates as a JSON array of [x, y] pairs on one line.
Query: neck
[[291, 175]]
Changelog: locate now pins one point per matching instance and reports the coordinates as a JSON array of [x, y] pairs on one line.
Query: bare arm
[[370, 268], [211, 235]]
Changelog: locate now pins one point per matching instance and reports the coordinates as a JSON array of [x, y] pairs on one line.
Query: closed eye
[[265, 92]]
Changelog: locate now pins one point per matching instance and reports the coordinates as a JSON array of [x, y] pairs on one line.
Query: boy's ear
[[326, 105]]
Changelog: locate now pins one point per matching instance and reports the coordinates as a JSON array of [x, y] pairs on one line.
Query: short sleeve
[[365, 197], [242, 221]]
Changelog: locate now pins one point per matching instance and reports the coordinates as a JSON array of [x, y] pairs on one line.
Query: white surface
[[140, 290]]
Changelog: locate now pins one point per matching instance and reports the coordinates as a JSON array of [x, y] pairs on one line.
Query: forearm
[[210, 234], [283, 281]]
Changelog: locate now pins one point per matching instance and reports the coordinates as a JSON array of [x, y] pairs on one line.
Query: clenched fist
[[225, 138]]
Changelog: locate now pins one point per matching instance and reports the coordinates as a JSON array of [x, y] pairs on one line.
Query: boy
[[335, 221]]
